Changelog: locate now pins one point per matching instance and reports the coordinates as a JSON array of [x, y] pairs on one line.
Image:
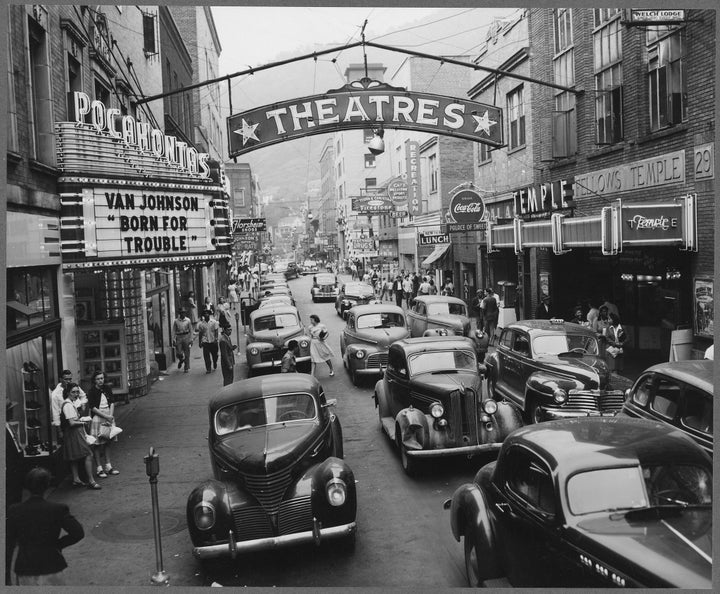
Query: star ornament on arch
[[247, 132], [484, 122]]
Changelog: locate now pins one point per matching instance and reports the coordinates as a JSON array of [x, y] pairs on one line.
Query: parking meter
[[152, 463]]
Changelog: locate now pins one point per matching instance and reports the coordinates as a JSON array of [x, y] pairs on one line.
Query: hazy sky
[[252, 36]]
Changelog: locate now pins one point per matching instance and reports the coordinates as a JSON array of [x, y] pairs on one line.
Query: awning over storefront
[[438, 252]]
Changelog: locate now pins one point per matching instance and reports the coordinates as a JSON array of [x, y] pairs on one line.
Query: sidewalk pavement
[[119, 548]]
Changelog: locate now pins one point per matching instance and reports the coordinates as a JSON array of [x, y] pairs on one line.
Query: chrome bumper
[[276, 363], [459, 451], [232, 548], [553, 414]]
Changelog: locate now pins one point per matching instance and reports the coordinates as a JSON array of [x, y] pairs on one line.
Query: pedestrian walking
[[208, 336], [491, 313], [408, 290], [319, 350], [102, 410], [233, 297], [208, 306], [449, 287], [433, 289], [34, 527], [476, 308], [398, 290], [183, 335], [288, 363], [223, 315], [354, 271], [227, 356], [192, 309], [615, 336], [75, 446]]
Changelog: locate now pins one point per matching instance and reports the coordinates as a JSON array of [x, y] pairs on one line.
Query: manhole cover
[[137, 525]]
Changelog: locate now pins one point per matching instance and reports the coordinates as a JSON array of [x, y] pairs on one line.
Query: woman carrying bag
[[102, 409], [75, 447], [319, 350]]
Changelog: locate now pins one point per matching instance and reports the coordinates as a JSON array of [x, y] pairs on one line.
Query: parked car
[[274, 292], [275, 300], [271, 284], [325, 287], [269, 331], [439, 315], [680, 394], [278, 474], [351, 294], [594, 502], [369, 332], [430, 402], [551, 369], [309, 267], [291, 271]]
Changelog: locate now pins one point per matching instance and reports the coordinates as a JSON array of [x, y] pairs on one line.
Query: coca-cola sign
[[467, 207]]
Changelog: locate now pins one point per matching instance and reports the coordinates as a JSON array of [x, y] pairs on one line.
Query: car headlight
[[360, 354], [204, 515], [304, 344], [254, 351], [336, 492], [559, 395], [437, 410], [490, 407]]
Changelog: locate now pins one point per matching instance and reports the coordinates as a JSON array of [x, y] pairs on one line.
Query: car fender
[[214, 493], [380, 397], [506, 419], [317, 479], [414, 428]]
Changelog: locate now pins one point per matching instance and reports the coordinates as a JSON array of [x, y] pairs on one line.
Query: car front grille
[[268, 489], [254, 522], [274, 355], [463, 417], [593, 401], [377, 361]]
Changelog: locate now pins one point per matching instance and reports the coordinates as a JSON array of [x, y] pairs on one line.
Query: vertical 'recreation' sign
[[414, 188]]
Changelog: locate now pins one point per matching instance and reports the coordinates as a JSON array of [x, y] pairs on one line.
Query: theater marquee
[[360, 105]]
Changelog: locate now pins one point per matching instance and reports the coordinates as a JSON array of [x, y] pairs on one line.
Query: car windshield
[[443, 309], [264, 411], [615, 489], [381, 320], [554, 344], [276, 322], [359, 290], [445, 361]]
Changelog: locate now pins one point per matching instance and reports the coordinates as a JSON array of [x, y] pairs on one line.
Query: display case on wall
[[33, 432], [104, 348]]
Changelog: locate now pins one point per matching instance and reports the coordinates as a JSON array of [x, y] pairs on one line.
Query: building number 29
[[704, 161]]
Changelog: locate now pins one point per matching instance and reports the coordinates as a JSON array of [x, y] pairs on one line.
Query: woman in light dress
[[319, 350]]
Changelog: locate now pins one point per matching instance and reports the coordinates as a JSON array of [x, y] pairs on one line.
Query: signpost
[[248, 225], [433, 238]]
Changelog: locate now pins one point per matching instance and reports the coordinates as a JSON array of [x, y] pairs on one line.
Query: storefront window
[[30, 297]]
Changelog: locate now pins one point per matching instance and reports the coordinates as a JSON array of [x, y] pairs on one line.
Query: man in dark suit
[[34, 527], [544, 310]]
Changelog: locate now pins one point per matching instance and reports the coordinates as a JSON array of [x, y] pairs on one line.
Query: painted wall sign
[[649, 173], [248, 225], [465, 227], [638, 16], [466, 206], [359, 105], [397, 189], [412, 168], [378, 203], [433, 238], [544, 198], [129, 139]]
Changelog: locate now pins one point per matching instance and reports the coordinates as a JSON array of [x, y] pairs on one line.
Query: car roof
[[360, 310], [430, 343], [276, 309], [438, 299], [550, 326], [572, 445], [264, 385], [698, 373]]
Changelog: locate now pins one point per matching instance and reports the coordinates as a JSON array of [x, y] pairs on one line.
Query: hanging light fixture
[[377, 145]]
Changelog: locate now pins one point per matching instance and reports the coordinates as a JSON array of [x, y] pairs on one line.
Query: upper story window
[[563, 28], [667, 77], [484, 155], [516, 118], [369, 160], [12, 139], [368, 134], [370, 182], [433, 173], [607, 56]]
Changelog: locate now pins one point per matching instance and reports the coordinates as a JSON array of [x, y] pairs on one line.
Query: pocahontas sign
[[364, 104]]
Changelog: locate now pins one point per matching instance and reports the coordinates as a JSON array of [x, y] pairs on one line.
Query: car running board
[[388, 426]]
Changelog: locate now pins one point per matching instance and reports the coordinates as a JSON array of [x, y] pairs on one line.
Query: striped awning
[[438, 252]]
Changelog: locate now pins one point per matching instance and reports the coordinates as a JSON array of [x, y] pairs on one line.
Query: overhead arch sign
[[364, 104]]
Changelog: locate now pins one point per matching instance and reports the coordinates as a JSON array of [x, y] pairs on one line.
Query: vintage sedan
[[275, 300], [278, 475], [291, 271], [439, 314], [325, 287], [678, 393], [369, 332], [351, 294], [274, 292], [268, 334], [309, 267], [430, 402], [594, 502], [552, 369]]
